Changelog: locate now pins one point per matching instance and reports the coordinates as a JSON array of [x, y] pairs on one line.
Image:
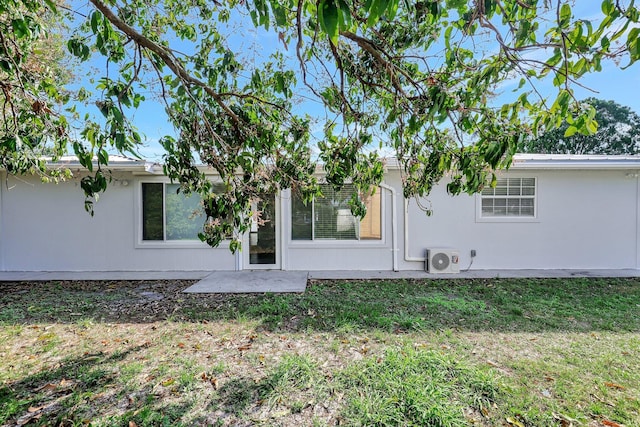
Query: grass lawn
[[501, 352]]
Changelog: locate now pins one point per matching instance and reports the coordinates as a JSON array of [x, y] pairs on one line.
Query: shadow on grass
[[526, 305], [53, 397], [79, 388]]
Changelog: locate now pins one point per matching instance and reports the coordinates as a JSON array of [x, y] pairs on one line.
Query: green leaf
[[5, 65], [279, 13], [376, 10], [20, 28], [392, 9], [280, 83], [103, 157], [607, 7], [633, 45], [51, 5], [345, 15], [571, 130], [328, 18], [95, 18], [565, 15]]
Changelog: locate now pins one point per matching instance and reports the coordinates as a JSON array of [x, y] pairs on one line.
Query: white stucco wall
[[45, 228], [585, 220]]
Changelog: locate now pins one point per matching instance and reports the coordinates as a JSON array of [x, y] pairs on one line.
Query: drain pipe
[[406, 236], [239, 255], [284, 226], [394, 224]]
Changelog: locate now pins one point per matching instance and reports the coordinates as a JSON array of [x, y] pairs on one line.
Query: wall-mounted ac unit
[[442, 260]]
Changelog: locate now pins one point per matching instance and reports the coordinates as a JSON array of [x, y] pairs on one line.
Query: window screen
[[330, 218], [511, 197]]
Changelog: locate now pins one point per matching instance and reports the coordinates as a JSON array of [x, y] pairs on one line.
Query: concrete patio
[[249, 281]]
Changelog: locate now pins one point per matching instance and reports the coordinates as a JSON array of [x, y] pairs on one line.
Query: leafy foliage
[[416, 78], [30, 68], [618, 133]]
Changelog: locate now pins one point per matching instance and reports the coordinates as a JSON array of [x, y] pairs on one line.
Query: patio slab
[[252, 281]]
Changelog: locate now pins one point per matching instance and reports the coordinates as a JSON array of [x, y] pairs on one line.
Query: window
[[330, 217], [169, 215], [511, 197]]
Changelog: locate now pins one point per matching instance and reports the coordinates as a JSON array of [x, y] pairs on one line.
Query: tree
[[31, 69], [618, 133], [416, 77]]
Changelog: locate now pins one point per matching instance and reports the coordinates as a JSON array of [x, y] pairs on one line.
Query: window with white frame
[[330, 218], [168, 215], [511, 197]]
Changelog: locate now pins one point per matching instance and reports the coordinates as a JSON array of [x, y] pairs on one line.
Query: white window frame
[[510, 218], [162, 244], [338, 243]]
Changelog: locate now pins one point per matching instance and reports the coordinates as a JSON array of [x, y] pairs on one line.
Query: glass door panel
[[263, 235]]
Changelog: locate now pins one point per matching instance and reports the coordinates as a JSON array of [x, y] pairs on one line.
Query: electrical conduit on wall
[[406, 236]]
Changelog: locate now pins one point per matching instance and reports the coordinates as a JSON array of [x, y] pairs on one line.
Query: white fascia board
[[560, 162], [608, 164]]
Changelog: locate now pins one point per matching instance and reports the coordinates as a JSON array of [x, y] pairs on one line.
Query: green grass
[[497, 352], [415, 388]]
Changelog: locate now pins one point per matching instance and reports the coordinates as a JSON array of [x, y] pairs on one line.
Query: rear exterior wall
[[44, 227], [584, 220]]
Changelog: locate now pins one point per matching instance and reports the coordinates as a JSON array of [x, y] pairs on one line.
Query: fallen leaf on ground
[[599, 399], [66, 383], [513, 422], [611, 423], [614, 385], [565, 421], [48, 386]]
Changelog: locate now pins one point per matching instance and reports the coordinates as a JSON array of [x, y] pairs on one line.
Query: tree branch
[[166, 56]]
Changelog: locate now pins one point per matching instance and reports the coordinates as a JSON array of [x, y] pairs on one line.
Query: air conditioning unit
[[442, 260]]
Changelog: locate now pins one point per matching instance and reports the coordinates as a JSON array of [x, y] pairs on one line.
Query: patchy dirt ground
[[132, 301], [144, 354]]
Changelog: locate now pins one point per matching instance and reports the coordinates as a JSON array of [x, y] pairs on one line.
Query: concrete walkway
[[471, 274], [46, 276], [291, 281]]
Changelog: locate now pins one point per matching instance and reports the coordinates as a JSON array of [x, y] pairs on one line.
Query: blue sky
[[612, 83]]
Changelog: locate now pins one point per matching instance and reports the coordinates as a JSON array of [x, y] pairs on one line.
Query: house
[[547, 212]]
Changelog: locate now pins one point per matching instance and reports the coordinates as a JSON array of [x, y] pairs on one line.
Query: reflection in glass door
[[263, 234]]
